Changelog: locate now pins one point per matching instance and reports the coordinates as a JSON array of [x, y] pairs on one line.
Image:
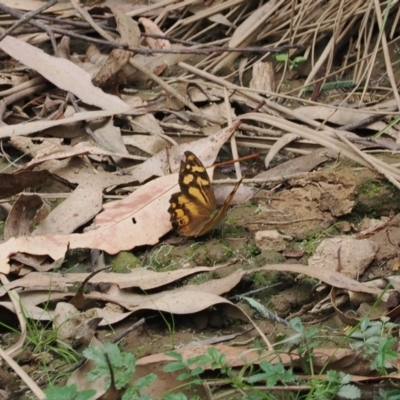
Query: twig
[[23, 375], [18, 14], [129, 330], [18, 96], [167, 87], [86, 16], [366, 121], [26, 17], [205, 50]]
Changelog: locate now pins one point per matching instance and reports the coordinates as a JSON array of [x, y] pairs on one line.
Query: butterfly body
[[193, 210]]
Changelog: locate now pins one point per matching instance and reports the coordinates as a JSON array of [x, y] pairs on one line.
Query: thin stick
[[23, 375], [129, 330], [26, 17], [85, 15], [232, 140]]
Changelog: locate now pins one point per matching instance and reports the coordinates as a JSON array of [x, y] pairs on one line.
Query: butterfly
[[193, 211]]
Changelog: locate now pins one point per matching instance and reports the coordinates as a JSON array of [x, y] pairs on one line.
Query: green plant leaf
[[175, 396], [123, 364], [281, 57], [68, 393], [145, 381], [349, 392], [174, 366]]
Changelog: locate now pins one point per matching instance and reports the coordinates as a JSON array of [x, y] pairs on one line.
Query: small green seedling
[[293, 63]]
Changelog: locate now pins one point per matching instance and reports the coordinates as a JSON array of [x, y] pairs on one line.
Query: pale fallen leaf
[[354, 255], [150, 144], [51, 245], [151, 28], [79, 208], [340, 116], [139, 219], [300, 164], [35, 126], [127, 27], [345, 360], [108, 136], [130, 35], [142, 278], [73, 327], [206, 149], [332, 278], [32, 5], [82, 148], [62, 73], [278, 146]]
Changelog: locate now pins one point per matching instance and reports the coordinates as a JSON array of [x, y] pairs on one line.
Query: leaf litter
[[105, 131]]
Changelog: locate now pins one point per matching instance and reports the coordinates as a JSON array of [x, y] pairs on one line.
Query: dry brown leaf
[[82, 148], [11, 184], [299, 164], [332, 278], [142, 278], [27, 211], [139, 219], [127, 27], [62, 73], [166, 381], [355, 255], [108, 72], [185, 300], [79, 377], [31, 311], [151, 28]]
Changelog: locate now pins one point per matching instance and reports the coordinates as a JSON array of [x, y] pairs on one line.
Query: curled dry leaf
[[27, 211], [142, 278], [332, 278], [151, 28], [278, 146]]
